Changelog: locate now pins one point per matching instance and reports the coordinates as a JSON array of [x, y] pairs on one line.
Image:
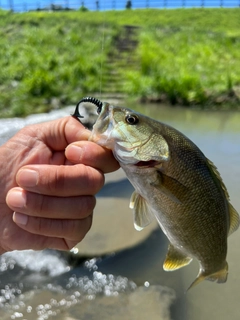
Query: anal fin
[[175, 259]]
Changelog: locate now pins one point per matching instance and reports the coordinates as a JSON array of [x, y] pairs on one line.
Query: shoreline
[[187, 57]]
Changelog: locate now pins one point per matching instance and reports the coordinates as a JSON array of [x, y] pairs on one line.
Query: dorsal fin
[[234, 219], [218, 176]]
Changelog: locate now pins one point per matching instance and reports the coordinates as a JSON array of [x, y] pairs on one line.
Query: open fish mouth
[[147, 164]]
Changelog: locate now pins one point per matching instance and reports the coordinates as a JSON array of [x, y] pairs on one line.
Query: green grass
[[45, 56], [184, 56], [195, 67]]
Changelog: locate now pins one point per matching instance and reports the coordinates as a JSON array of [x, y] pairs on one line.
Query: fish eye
[[131, 119]]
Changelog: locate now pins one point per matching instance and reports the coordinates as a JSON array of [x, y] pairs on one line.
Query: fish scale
[[176, 184]]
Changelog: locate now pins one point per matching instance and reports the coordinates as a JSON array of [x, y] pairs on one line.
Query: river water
[[116, 272]]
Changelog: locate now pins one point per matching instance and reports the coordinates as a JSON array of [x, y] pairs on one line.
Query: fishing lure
[[92, 100]]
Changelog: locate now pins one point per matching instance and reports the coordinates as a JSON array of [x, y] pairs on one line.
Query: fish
[[176, 184]]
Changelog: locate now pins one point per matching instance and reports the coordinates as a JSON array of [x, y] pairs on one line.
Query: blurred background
[[19, 5], [180, 56], [175, 61]]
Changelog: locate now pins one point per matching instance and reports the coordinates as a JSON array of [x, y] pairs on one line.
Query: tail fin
[[219, 276]]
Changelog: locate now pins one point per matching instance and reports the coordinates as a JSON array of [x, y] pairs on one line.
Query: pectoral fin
[[175, 259], [234, 219], [141, 210], [171, 188]]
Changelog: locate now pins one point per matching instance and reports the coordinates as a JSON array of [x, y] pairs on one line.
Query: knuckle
[[72, 229], [76, 230], [58, 181], [68, 245], [37, 203], [88, 203], [95, 179], [54, 180], [41, 225]]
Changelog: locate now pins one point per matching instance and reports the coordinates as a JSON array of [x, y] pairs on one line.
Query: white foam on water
[[36, 261], [51, 300], [9, 126]]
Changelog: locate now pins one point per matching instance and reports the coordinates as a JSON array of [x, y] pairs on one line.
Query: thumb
[[59, 133]]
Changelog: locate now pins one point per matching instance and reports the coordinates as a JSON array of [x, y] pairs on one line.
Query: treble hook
[[92, 100]]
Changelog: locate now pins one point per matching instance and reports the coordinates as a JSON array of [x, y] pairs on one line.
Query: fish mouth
[[147, 164], [101, 131]]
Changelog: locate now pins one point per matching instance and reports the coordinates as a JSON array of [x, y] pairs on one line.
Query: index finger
[[57, 134], [93, 155]]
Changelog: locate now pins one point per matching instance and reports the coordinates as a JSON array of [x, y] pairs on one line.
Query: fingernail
[[16, 198], [27, 178], [20, 218], [74, 153]]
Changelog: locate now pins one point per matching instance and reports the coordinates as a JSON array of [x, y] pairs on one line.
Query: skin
[[48, 178]]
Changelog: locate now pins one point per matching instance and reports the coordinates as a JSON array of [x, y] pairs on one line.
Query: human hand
[[47, 194]]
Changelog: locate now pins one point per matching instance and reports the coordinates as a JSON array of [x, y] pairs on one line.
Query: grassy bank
[[184, 56]]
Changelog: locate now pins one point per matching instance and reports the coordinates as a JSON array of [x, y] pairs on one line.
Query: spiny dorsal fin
[[175, 259], [234, 219], [141, 210]]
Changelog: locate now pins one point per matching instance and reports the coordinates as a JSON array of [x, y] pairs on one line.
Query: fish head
[[133, 137]]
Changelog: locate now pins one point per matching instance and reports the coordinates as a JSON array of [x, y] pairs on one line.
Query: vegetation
[[183, 56], [195, 67]]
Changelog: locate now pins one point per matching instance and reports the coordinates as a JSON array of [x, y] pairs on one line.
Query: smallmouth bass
[[176, 184]]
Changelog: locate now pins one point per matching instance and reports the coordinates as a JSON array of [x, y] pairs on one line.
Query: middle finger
[[64, 181], [38, 205]]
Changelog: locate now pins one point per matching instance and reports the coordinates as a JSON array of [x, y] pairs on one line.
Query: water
[[128, 283]]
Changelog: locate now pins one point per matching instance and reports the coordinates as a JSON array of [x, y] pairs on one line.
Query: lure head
[[92, 100]]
